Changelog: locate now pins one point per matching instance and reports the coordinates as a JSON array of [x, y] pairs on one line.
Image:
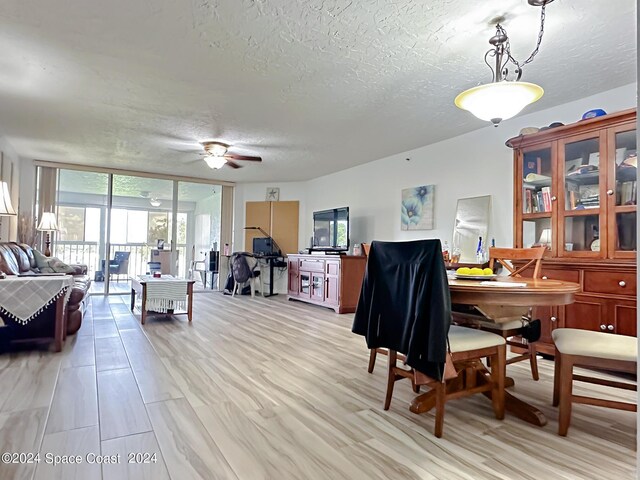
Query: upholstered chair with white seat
[[597, 350]]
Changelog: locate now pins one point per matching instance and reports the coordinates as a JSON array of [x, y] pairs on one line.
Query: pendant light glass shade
[[214, 161], [6, 209], [498, 101]]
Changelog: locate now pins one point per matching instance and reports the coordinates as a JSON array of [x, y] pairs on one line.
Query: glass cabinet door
[[305, 284], [537, 174], [622, 193], [581, 211]]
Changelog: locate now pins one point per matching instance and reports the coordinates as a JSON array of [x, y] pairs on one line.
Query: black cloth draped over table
[[405, 303]]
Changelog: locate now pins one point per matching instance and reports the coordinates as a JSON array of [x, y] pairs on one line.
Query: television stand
[[332, 281], [322, 251]]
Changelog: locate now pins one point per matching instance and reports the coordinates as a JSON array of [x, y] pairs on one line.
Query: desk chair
[[405, 307], [120, 264], [585, 348], [243, 270], [514, 324]]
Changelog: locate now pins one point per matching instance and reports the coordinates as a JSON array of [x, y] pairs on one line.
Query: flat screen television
[[331, 229]]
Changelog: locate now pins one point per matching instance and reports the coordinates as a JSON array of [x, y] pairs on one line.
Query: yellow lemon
[[488, 271], [464, 271], [476, 271]]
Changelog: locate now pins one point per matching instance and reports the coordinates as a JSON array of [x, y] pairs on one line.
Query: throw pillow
[[51, 264], [41, 260]]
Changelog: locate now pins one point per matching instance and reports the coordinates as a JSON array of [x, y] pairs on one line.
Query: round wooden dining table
[[507, 291]]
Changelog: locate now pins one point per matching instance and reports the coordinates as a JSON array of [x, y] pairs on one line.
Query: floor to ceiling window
[[124, 225]]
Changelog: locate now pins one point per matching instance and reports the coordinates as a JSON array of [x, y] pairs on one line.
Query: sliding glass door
[[82, 201], [198, 233], [123, 225], [140, 229]]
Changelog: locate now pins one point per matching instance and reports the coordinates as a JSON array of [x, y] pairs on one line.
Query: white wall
[[11, 175], [473, 164]]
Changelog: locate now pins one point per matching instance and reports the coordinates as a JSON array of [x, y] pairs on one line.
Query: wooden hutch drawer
[[616, 283], [312, 265], [561, 274]]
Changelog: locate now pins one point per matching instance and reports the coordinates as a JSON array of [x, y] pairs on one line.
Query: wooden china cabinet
[[575, 191]]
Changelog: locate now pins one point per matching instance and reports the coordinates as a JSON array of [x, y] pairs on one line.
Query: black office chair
[[120, 264]]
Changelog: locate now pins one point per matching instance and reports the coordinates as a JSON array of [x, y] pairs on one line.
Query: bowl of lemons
[[475, 273]]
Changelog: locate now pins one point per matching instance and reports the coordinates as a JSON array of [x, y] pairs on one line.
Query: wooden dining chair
[[512, 323], [468, 348], [373, 352], [585, 348], [405, 289]]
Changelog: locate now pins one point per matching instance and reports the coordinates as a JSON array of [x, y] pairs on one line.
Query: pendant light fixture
[[503, 98]]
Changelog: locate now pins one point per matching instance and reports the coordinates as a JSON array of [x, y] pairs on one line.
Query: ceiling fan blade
[[242, 157], [233, 164]]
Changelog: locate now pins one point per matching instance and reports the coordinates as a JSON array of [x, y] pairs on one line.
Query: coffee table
[[140, 284]]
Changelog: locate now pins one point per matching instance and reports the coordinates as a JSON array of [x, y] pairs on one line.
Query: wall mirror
[[471, 222]]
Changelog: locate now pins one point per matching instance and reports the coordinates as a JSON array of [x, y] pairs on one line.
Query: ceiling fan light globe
[[498, 101], [215, 162], [217, 150]]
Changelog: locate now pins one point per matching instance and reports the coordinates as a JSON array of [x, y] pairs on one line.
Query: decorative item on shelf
[[545, 238], [273, 194], [48, 224], [160, 244], [596, 112], [503, 98]]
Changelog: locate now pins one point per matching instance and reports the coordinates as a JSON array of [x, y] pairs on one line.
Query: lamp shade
[[6, 209], [48, 222], [214, 161], [498, 101], [545, 237]]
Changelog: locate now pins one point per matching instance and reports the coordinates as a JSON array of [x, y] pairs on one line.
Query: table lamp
[[6, 209], [48, 224], [545, 237]]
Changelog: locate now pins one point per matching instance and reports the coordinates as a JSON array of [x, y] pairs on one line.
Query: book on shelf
[[537, 179], [626, 193]]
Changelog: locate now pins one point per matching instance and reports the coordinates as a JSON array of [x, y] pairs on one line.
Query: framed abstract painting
[[417, 208]]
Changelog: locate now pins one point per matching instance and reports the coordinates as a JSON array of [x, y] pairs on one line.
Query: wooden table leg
[[133, 299], [143, 307], [190, 301], [530, 414], [59, 324]]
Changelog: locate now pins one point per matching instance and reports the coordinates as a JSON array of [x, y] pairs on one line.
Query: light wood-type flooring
[[268, 389]]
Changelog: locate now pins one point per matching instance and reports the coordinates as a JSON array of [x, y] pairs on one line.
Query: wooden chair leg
[[566, 390], [373, 353], [533, 360], [391, 378], [441, 392], [556, 378], [498, 374]]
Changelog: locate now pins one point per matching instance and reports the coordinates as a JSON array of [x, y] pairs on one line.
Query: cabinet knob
[[610, 328], [609, 192], [603, 327], [622, 283], [554, 198], [544, 277], [554, 319]]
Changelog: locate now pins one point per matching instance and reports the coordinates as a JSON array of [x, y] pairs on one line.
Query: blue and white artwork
[[417, 208]]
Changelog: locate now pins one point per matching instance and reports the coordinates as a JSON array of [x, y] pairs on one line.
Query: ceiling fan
[[216, 156]]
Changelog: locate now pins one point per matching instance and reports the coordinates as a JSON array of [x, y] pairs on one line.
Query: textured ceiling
[[312, 86]]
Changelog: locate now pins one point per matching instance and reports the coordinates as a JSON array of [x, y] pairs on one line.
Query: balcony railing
[[87, 253]]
